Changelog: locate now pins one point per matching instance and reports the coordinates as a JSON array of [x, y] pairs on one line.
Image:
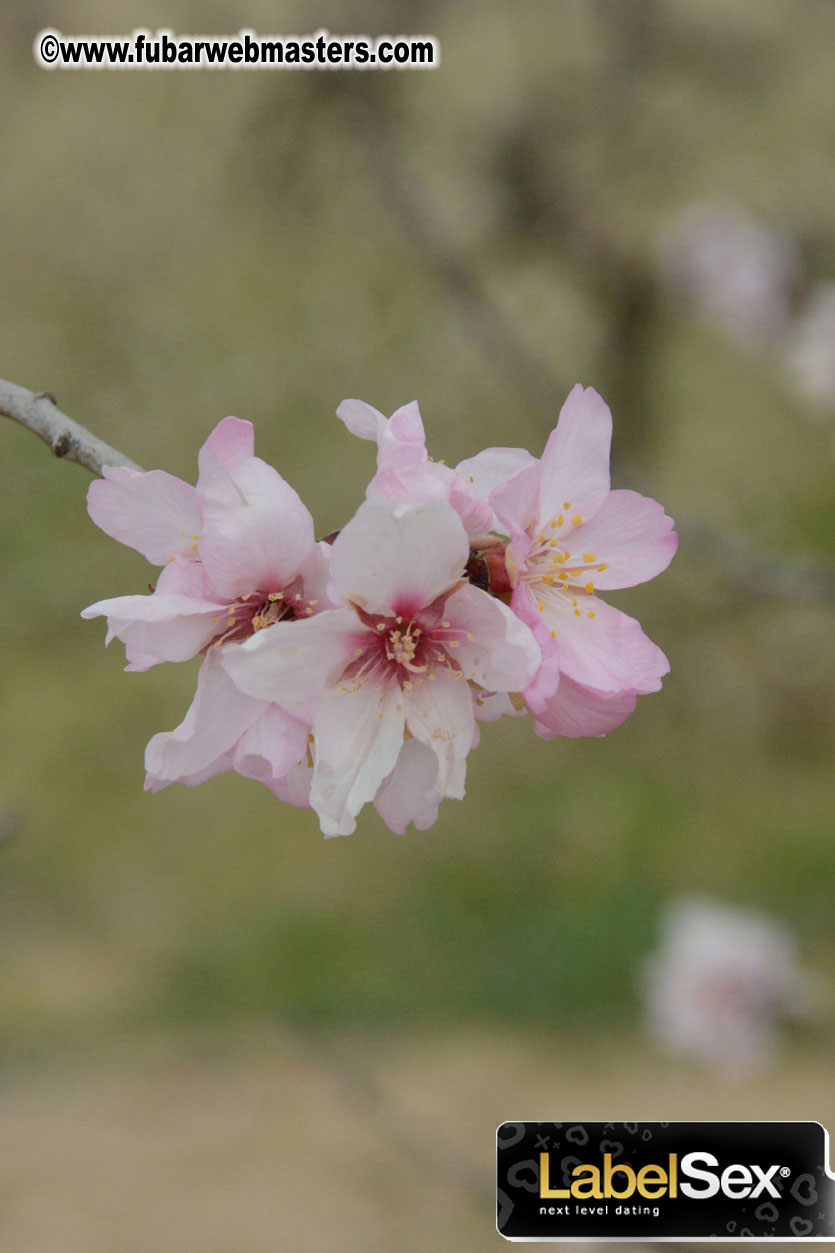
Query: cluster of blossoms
[[720, 985], [358, 670]]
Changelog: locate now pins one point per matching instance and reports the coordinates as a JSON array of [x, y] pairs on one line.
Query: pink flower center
[[408, 652], [255, 611], [554, 573]]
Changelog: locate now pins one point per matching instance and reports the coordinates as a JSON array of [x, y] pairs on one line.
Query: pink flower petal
[[575, 463], [294, 787], [361, 419], [608, 652], [490, 468], [575, 710], [395, 560], [502, 655], [359, 734], [168, 628], [153, 512], [516, 505], [545, 681], [475, 514], [409, 793], [260, 541], [221, 765], [219, 715], [231, 442], [631, 534], [402, 441], [272, 746], [439, 713], [292, 661]]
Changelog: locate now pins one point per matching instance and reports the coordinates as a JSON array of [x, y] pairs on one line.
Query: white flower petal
[[439, 713], [396, 560], [358, 736], [409, 793], [293, 661], [494, 648]]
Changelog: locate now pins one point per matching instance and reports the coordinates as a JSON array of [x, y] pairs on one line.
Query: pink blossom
[[737, 270], [571, 537], [402, 659], [720, 983], [238, 549], [405, 472], [240, 556]]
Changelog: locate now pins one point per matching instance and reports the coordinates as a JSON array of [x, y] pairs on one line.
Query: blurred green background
[[180, 246]]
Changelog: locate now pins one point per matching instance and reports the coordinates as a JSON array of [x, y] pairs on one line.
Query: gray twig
[[38, 412]]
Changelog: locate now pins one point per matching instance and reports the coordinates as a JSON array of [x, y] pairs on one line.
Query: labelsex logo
[[699, 1173]]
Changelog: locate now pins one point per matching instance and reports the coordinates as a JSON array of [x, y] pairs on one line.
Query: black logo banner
[[662, 1180]]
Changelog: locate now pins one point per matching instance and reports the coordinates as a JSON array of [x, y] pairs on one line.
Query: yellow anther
[[479, 701], [574, 600], [314, 602], [381, 626], [576, 615], [276, 596], [310, 737], [604, 566], [589, 557], [542, 539], [195, 537], [590, 588], [452, 644], [444, 624], [591, 613], [553, 635], [542, 606], [554, 543], [247, 595], [309, 611], [560, 520], [170, 558], [563, 574], [230, 621], [547, 578], [399, 621], [577, 519], [297, 596], [194, 548], [566, 504], [472, 479], [471, 638], [357, 652], [553, 522]]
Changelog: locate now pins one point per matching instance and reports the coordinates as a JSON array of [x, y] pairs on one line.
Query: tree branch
[[38, 412]]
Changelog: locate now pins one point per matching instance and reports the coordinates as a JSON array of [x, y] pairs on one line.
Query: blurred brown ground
[[273, 1142]]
